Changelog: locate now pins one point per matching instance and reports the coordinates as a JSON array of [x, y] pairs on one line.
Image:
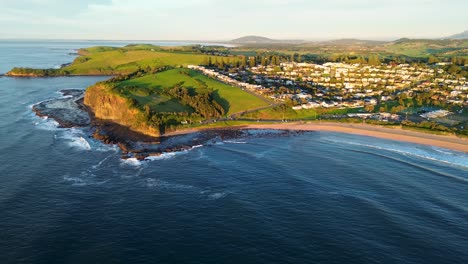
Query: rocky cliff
[[109, 106]]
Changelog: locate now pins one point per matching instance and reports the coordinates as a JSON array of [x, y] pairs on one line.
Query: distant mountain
[[463, 35], [253, 39], [257, 40], [352, 42]]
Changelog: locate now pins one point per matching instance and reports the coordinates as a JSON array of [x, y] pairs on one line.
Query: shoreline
[[395, 133], [43, 76]]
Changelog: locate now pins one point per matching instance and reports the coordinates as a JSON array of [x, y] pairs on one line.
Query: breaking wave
[[134, 162], [75, 139], [45, 123], [446, 156]]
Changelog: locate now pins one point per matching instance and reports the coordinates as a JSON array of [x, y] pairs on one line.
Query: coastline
[[53, 76], [395, 133], [70, 112]]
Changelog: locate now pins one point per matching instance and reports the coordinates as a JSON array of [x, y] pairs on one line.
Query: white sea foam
[[80, 143], [101, 147], [425, 152], [75, 181], [170, 155], [134, 162], [163, 156], [156, 183], [44, 123], [75, 139], [235, 142], [101, 162], [217, 195]]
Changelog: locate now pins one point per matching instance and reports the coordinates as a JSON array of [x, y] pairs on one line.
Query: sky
[[225, 20]]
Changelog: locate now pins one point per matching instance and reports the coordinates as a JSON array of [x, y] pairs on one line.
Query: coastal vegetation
[[126, 60], [156, 102], [156, 89]]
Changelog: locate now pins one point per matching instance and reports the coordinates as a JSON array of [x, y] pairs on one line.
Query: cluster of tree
[[138, 73], [169, 121], [252, 61], [373, 59], [426, 125], [212, 50], [459, 61], [221, 63], [456, 70], [275, 59], [203, 102], [81, 59], [420, 99]]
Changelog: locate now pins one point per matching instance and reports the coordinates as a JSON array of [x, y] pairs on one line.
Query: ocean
[[314, 197]]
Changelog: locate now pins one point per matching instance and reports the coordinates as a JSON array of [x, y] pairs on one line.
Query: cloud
[[218, 19]]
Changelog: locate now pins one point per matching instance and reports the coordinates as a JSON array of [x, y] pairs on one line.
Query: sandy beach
[[394, 133]]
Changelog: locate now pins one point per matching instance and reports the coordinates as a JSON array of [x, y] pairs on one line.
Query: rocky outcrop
[[108, 106], [68, 111]]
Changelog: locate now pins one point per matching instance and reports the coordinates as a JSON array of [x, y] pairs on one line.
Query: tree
[[252, 62], [432, 59], [244, 62], [453, 60], [205, 61], [147, 112], [221, 64], [454, 69], [374, 60], [275, 60], [292, 57], [369, 108], [362, 60]]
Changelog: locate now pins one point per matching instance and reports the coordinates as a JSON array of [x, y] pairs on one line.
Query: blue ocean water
[[311, 198]]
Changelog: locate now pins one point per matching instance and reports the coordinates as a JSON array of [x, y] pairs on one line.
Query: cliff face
[[109, 106]]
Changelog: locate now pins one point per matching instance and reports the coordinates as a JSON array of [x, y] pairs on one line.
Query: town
[[392, 87]]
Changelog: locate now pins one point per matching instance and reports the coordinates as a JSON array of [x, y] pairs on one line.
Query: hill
[[352, 42], [422, 48], [253, 40], [153, 103], [463, 35], [113, 61]]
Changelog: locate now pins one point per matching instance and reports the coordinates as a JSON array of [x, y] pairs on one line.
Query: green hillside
[[113, 61], [150, 89], [155, 103]]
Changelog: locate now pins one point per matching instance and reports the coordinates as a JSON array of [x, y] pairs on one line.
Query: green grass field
[[287, 113], [106, 60], [102, 60], [147, 90]]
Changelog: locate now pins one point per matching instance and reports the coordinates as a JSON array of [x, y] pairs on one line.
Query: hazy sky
[[222, 20]]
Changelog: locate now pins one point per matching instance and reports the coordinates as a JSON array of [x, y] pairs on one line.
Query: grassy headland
[[114, 61], [153, 92], [153, 103]]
